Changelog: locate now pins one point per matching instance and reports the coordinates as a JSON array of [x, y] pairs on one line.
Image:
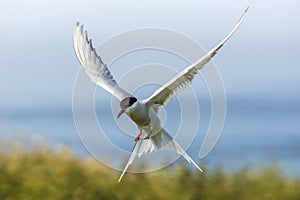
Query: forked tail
[[156, 142]]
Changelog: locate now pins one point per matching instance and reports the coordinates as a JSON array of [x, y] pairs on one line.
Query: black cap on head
[[127, 102]]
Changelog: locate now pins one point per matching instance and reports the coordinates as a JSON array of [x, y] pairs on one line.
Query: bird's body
[[140, 114], [144, 113], [145, 118]]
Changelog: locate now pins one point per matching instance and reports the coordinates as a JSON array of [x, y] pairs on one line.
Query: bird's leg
[[138, 136]]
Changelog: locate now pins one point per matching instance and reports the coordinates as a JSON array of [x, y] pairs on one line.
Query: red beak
[[120, 113]]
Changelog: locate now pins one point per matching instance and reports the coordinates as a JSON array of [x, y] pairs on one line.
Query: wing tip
[[247, 8], [244, 14], [78, 25]]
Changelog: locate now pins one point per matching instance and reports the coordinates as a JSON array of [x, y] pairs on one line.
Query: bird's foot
[[137, 138], [147, 137]]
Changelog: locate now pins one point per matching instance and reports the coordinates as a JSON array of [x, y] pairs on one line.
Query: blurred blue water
[[255, 131]]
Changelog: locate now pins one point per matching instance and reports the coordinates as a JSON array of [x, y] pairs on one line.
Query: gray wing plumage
[[93, 65], [161, 140], [180, 81]]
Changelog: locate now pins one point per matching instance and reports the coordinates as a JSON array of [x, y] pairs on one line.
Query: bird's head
[[125, 104]]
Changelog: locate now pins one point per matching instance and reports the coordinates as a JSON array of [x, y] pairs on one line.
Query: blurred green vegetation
[[44, 173]]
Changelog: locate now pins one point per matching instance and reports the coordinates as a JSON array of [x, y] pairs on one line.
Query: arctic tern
[[152, 136]]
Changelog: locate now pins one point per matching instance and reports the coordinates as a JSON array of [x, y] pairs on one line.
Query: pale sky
[[38, 65]]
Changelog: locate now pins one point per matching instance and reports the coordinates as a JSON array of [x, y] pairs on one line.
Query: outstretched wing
[[93, 65], [180, 81], [156, 142]]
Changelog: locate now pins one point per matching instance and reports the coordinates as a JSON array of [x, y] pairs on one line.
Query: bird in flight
[[152, 136]]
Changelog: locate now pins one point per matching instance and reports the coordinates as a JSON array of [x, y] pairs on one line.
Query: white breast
[[155, 124]]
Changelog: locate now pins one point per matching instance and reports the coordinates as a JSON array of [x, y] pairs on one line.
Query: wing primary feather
[[180, 81], [93, 64]]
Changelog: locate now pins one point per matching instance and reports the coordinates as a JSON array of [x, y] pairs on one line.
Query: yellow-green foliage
[[49, 174]]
